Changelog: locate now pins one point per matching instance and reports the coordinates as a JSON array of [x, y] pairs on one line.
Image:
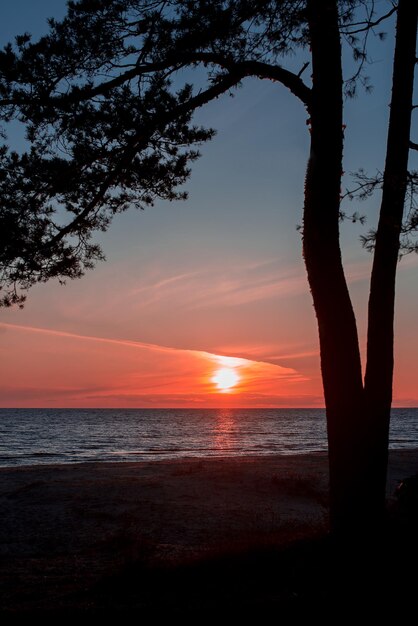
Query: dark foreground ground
[[199, 540]]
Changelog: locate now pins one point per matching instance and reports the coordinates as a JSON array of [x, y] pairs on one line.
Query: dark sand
[[168, 536]]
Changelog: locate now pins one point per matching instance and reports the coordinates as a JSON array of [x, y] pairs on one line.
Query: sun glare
[[225, 378]]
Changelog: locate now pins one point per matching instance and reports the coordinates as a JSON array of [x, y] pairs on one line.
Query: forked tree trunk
[[357, 418]]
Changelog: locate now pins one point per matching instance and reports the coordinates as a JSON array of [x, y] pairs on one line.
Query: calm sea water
[[34, 436]]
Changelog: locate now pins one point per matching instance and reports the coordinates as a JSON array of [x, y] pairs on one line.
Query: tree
[[115, 60], [380, 339], [99, 85], [357, 414]]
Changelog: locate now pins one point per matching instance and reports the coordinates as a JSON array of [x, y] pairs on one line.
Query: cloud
[[231, 285], [269, 353], [47, 367], [63, 333]]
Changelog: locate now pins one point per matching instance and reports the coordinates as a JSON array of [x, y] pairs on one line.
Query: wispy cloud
[[79, 368], [232, 285], [156, 287], [268, 352], [63, 333], [250, 354]]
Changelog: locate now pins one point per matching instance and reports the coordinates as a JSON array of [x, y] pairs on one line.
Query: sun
[[225, 378]]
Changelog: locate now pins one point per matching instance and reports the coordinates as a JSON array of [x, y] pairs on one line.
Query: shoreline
[[192, 458], [174, 460], [68, 527], [400, 460]]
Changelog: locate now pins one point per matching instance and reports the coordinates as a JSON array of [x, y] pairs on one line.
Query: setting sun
[[225, 378]]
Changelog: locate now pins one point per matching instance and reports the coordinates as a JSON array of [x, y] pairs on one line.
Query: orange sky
[[76, 370], [119, 338], [221, 274], [55, 368], [126, 338]]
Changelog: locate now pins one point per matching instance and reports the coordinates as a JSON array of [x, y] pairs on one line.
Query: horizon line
[[170, 408]]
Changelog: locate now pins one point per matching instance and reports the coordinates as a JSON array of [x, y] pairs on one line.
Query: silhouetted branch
[[304, 67], [247, 68], [367, 24], [360, 47], [265, 70], [365, 187], [140, 141]]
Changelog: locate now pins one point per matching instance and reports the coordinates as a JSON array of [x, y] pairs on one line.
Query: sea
[[45, 436]]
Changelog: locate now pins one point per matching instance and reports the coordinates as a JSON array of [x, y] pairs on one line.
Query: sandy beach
[[68, 531]]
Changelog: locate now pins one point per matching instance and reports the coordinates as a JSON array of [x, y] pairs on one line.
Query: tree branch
[[247, 68], [263, 70], [369, 24], [140, 141], [303, 68]]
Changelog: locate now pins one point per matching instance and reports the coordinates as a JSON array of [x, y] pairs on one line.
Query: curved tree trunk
[[340, 356]]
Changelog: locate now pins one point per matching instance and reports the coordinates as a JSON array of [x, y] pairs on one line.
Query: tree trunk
[[339, 348], [379, 370], [357, 416]]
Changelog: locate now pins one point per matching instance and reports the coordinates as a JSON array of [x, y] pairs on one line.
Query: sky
[[195, 292]]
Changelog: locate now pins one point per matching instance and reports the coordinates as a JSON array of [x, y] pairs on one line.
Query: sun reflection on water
[[224, 430]]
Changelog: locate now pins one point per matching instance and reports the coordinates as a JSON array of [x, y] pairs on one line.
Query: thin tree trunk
[[379, 370], [340, 356]]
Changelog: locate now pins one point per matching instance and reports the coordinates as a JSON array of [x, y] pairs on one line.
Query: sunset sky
[[216, 283]]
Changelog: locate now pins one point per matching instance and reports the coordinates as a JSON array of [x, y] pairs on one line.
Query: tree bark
[[380, 338]]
